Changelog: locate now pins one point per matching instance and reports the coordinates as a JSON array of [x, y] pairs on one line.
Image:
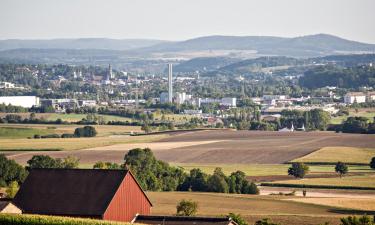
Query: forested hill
[[352, 77]]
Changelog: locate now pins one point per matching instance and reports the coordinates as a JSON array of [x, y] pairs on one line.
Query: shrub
[[341, 168], [51, 136], [372, 163], [237, 218], [187, 208], [86, 131], [12, 189], [67, 136], [298, 170]]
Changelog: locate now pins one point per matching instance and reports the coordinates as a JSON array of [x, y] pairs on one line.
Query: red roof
[[73, 192]]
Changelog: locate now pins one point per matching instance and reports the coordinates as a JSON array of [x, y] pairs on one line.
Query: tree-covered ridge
[[352, 77]]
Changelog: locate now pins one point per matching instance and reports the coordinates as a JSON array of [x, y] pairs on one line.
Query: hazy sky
[[183, 19]]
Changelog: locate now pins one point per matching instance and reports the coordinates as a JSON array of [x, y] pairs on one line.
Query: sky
[[185, 19]]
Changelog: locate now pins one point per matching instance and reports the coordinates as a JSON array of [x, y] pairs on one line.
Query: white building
[[192, 112], [24, 101], [231, 102], [87, 103], [352, 97], [6, 85]]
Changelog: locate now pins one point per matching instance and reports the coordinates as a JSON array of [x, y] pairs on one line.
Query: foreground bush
[[11, 219]]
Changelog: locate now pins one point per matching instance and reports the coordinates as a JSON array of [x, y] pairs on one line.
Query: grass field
[[343, 154], [71, 143], [250, 207], [14, 133], [365, 112], [367, 180], [264, 169], [26, 130], [72, 117]]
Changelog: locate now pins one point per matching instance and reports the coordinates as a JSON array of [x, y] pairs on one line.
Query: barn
[[100, 194]]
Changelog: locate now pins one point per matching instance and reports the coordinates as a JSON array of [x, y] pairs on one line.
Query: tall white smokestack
[[170, 83]]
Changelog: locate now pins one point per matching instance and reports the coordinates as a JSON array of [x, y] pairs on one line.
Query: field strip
[[342, 202], [155, 146]]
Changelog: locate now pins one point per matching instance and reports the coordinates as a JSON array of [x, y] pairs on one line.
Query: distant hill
[[305, 46], [82, 43], [204, 64]]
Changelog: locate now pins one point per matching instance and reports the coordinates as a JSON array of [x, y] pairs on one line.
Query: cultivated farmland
[[251, 207]]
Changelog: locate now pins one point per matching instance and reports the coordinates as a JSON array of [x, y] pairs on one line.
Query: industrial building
[[23, 101]]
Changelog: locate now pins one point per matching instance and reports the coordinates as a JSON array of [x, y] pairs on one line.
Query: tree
[[372, 163], [298, 170], [341, 168], [153, 174], [106, 165], [12, 189], [237, 218], [10, 171], [86, 131], [43, 161], [217, 182], [70, 162], [187, 208], [196, 181], [238, 184]]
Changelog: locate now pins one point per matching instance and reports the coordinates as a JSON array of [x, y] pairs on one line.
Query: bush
[[67, 136], [353, 220], [36, 136], [298, 170], [187, 208], [86, 131], [372, 163], [50, 136], [237, 218]]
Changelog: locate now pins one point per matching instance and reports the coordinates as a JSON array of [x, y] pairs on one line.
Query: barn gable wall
[[128, 201]]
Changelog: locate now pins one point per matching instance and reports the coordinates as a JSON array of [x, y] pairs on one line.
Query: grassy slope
[[250, 206], [335, 154]]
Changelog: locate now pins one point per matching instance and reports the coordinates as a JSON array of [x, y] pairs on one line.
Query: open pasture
[[251, 207], [28, 130], [343, 154]]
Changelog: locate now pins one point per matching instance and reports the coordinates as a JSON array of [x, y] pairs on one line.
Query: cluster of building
[[359, 97], [182, 97]]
